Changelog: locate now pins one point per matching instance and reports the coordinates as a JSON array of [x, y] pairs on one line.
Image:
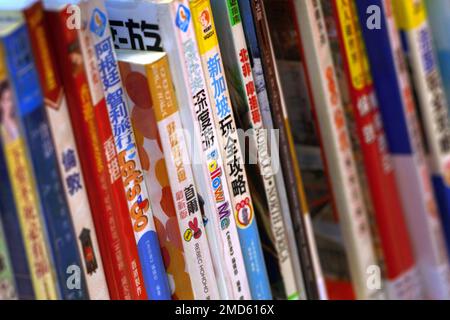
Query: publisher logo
[[98, 22], [183, 18], [205, 21], [244, 213]]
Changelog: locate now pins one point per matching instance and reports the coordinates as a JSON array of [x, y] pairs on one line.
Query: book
[[8, 289], [98, 160], [181, 48], [332, 127], [412, 21], [141, 216], [154, 65], [254, 16], [13, 233], [405, 144], [30, 110], [65, 147], [246, 107], [438, 17], [357, 87], [155, 173], [243, 204]]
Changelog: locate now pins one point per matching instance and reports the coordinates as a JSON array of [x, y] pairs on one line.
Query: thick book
[[93, 14], [247, 112], [359, 93], [30, 111], [98, 160], [178, 40], [156, 176], [231, 149], [24, 194], [275, 114], [326, 103], [65, 147], [403, 133], [155, 66], [412, 21], [13, 233], [439, 18]]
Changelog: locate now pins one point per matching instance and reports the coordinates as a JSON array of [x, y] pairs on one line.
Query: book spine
[[31, 112], [13, 233], [94, 162], [405, 145], [184, 192], [439, 18], [398, 255], [199, 110], [141, 215], [231, 150], [24, 195], [157, 180], [8, 289], [311, 270], [413, 22], [336, 144], [239, 65], [67, 154]]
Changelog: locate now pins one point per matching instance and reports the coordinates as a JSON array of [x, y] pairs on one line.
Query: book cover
[[24, 193], [405, 144], [98, 160], [243, 204], [140, 212], [189, 214], [33, 120], [412, 20], [358, 87], [244, 99], [254, 18], [65, 148], [13, 233]]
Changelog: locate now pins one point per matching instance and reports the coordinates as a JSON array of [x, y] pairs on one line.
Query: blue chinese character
[[68, 159], [73, 183], [214, 67], [223, 108]]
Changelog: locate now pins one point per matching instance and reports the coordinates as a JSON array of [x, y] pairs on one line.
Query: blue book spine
[[32, 116], [13, 234], [397, 108]]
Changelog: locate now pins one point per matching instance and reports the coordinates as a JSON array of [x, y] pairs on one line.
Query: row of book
[[224, 149]]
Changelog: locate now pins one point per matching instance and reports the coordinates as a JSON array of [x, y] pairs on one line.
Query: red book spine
[[380, 174], [106, 196]]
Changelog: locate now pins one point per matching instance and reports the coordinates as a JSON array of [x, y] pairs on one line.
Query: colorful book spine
[[275, 114], [65, 148], [94, 13], [439, 18], [13, 233], [412, 20], [231, 149], [157, 180], [401, 270], [25, 194], [236, 61], [151, 14], [7, 284], [184, 58], [336, 144], [402, 128], [189, 215], [31, 112], [98, 160]]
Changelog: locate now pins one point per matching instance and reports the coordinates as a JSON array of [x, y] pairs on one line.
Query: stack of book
[[224, 149]]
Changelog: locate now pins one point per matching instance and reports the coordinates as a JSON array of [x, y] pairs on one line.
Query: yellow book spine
[[409, 14], [25, 197]]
